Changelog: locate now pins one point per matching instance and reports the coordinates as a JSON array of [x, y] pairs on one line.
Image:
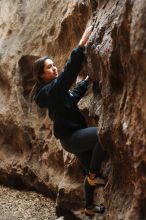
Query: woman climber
[[52, 92]]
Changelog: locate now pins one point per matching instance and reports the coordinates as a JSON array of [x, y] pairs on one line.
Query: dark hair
[[38, 69]]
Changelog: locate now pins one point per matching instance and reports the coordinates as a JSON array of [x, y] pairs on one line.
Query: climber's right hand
[[85, 36], [88, 79]]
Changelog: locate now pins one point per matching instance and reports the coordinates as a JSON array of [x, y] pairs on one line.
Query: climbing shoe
[[98, 180], [92, 210]]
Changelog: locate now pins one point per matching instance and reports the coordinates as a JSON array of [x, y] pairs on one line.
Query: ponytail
[[32, 92], [38, 69]]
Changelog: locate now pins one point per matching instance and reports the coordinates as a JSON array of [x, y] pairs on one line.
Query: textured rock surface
[[117, 54], [29, 155]]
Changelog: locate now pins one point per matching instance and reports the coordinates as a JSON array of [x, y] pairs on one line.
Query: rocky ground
[[24, 205], [27, 205]]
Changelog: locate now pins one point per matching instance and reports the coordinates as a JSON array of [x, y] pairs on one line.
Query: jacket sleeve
[[79, 91], [66, 78]]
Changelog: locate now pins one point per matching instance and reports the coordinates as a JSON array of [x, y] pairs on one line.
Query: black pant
[[85, 145]]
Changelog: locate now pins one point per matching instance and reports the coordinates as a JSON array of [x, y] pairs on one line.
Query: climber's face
[[50, 70]]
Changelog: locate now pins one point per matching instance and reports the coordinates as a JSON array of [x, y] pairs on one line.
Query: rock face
[[29, 155], [117, 54]]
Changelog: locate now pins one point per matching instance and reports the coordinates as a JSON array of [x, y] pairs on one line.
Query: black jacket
[[60, 101]]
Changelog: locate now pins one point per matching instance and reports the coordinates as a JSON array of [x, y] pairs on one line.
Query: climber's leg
[[90, 208], [85, 158], [94, 176], [86, 140], [81, 143], [81, 140]]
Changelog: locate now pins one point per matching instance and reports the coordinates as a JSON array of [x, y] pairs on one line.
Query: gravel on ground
[[24, 205]]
